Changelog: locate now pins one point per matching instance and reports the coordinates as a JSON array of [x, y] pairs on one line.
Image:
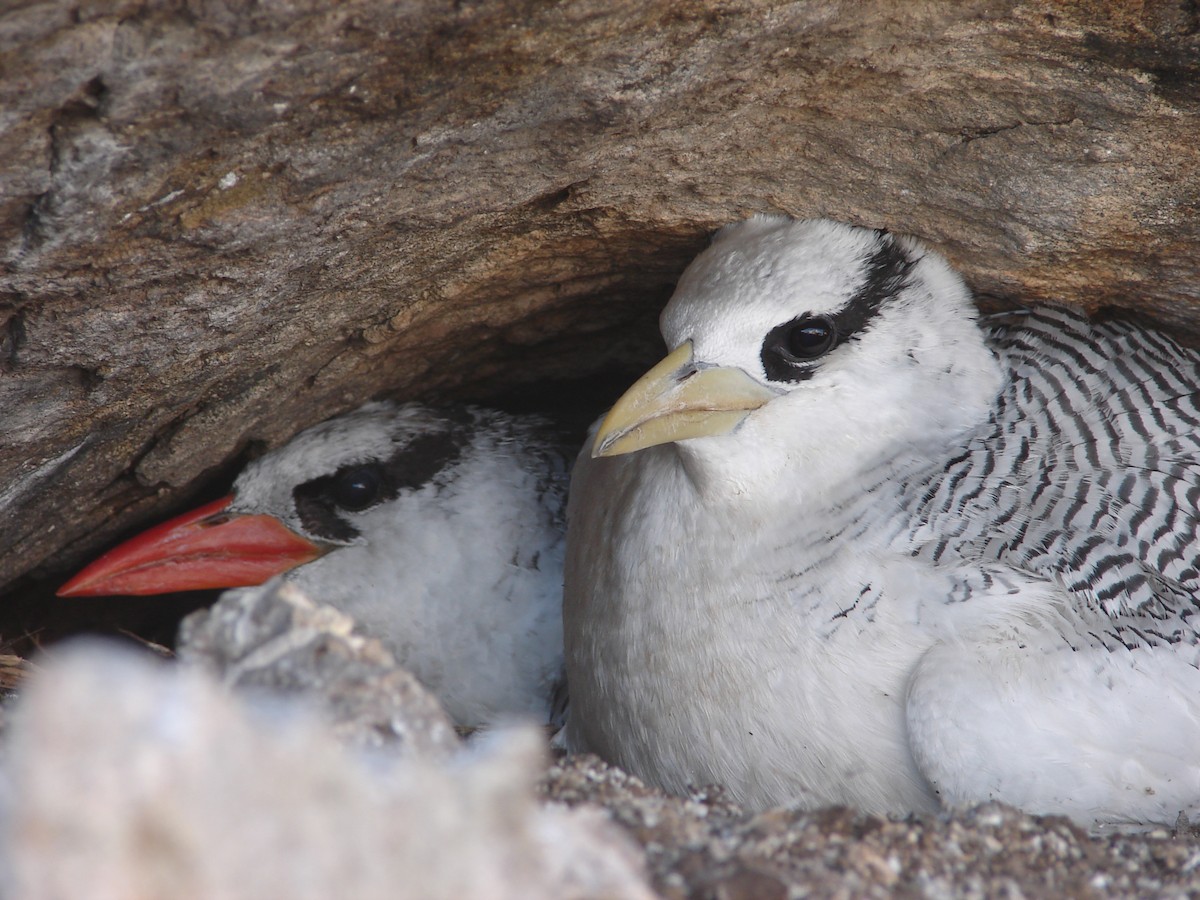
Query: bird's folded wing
[[1088, 474]]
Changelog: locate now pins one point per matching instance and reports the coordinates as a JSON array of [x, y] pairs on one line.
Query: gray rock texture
[[221, 221], [704, 847], [128, 778], [276, 640]]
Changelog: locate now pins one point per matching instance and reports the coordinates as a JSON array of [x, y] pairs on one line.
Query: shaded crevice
[[86, 378], [87, 103], [12, 338], [32, 228], [968, 136], [1172, 64], [553, 199], [161, 437], [1191, 11]]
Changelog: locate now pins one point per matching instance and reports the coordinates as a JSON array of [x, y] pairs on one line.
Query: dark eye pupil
[[356, 489], [789, 348], [809, 338]]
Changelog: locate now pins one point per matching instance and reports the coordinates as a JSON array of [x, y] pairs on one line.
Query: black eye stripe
[[806, 338], [887, 273], [357, 488], [323, 503]]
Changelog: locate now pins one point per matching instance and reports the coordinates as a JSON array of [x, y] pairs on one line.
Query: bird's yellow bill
[[677, 400]]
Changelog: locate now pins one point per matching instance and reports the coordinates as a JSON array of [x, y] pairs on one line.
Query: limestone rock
[[275, 639], [704, 846], [127, 777]]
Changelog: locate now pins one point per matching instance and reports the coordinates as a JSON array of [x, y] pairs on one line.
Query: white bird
[[846, 546], [441, 532]]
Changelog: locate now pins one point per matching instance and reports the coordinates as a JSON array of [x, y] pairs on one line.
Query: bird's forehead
[[374, 432], [758, 274]]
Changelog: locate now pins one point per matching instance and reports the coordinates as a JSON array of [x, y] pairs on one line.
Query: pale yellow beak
[[677, 400]]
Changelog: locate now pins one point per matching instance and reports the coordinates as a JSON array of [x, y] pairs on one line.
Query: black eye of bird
[[808, 338], [804, 339], [789, 348], [356, 488]]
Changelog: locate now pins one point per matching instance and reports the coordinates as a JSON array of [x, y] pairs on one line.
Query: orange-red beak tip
[[204, 549]]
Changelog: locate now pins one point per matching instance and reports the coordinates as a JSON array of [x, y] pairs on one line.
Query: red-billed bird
[[440, 532]]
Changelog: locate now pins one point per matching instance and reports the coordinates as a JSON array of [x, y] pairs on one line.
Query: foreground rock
[[131, 778], [704, 847], [290, 757], [274, 638]]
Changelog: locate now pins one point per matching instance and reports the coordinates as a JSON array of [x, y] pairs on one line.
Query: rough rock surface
[[705, 847], [139, 778], [126, 778], [275, 639], [221, 221]]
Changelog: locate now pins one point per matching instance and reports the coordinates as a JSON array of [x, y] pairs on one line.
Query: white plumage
[[845, 545], [458, 566], [440, 531]]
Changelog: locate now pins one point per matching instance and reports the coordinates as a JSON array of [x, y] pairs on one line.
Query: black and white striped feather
[[1087, 473]]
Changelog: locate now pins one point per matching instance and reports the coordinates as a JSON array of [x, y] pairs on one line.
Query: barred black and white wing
[[1087, 474]]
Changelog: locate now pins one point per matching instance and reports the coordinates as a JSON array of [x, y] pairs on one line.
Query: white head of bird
[[440, 531], [807, 347]]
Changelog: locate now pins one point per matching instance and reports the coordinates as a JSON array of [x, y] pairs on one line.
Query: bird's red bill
[[206, 548]]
